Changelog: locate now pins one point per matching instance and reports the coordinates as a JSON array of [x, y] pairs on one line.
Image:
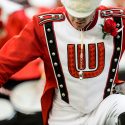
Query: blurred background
[[21, 94]]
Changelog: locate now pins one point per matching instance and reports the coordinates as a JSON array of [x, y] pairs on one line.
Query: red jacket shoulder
[[52, 15]]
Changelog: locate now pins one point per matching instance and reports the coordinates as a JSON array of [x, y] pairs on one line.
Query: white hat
[[80, 8]]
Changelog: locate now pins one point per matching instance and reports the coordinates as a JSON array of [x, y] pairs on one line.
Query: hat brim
[[78, 14]]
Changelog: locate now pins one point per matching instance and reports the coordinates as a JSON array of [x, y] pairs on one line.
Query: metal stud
[[118, 48], [61, 86], [55, 64], [118, 25], [108, 90], [48, 30], [58, 75], [53, 54], [51, 41], [63, 94], [113, 70], [118, 37], [111, 80], [115, 60]]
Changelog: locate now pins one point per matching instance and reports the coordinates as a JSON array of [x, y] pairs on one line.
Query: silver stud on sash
[[115, 60], [61, 86], [53, 54], [51, 41], [48, 30], [113, 70], [58, 75], [118, 25], [63, 94], [118, 37], [111, 80], [118, 49], [55, 64], [108, 90]]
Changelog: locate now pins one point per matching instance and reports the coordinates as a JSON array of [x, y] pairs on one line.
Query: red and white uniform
[[69, 87]]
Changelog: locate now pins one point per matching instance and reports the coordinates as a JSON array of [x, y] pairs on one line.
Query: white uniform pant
[[105, 114]]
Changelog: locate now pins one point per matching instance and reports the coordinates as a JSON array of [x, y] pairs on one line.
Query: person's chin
[[79, 27]]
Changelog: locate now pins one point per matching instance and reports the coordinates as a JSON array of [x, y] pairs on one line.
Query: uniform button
[[111, 80], [115, 60], [118, 48], [108, 90], [48, 29], [61, 86], [118, 25], [118, 37], [53, 54], [63, 94], [113, 70], [55, 64], [51, 41], [59, 75]]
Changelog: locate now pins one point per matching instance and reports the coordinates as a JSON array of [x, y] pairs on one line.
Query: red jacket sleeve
[[18, 51], [15, 23]]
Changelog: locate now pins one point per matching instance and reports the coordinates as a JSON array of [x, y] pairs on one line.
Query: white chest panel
[[85, 94]]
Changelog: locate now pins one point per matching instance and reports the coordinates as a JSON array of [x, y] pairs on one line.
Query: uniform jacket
[[40, 39], [13, 27]]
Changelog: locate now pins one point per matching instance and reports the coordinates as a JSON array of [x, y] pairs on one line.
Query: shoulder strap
[[50, 17], [113, 12]]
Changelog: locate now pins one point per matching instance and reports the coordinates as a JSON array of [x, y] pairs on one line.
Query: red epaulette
[[113, 12], [51, 17]]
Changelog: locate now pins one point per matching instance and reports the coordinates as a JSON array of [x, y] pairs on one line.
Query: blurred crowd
[[14, 15]]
